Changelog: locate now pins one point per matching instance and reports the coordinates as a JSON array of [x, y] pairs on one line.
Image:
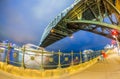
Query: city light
[[113, 42], [52, 30], [114, 32], [71, 36]]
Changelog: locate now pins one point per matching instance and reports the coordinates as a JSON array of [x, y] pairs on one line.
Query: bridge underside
[[96, 16]]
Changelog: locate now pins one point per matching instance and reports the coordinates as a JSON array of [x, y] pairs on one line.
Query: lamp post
[[115, 34], [118, 46]]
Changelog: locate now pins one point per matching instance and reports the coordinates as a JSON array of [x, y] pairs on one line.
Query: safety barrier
[[46, 73], [47, 64], [40, 59]]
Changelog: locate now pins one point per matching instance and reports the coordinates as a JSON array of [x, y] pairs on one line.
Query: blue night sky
[[23, 21]]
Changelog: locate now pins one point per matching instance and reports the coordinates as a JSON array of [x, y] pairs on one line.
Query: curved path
[[107, 69]]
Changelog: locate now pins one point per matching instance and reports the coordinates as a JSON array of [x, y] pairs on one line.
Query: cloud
[[17, 27], [25, 20], [45, 9]]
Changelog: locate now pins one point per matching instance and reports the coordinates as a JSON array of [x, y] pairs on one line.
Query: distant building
[[108, 46]]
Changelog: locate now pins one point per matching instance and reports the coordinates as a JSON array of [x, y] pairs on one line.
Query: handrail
[[47, 60]]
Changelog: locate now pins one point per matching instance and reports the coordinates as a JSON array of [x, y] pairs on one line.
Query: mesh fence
[[42, 59]]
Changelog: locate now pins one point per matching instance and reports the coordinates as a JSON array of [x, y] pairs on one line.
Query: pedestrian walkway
[[107, 69]]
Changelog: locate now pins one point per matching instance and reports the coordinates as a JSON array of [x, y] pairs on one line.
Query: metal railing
[[40, 59]]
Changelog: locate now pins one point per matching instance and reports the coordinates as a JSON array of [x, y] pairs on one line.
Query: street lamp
[[71, 36], [115, 34], [52, 30]]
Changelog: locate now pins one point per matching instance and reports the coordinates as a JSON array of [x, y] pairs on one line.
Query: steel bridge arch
[[87, 15]]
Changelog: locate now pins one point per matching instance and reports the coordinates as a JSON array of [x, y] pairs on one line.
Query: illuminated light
[[114, 32], [66, 59], [51, 59], [113, 42], [32, 58], [76, 58], [52, 31], [15, 55], [71, 36], [114, 36]]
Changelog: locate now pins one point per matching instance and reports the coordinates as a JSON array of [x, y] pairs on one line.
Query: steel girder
[[100, 28], [96, 16]]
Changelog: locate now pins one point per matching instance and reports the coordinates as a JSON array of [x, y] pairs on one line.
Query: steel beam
[[97, 23], [82, 15]]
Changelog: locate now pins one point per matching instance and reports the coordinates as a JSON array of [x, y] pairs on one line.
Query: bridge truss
[[96, 16]]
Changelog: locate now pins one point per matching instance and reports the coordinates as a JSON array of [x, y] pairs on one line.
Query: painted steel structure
[[96, 16], [39, 59]]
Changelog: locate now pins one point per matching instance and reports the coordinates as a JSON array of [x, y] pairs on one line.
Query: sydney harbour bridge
[[101, 17], [87, 15]]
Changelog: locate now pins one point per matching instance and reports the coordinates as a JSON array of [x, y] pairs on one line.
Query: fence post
[[59, 63], [41, 65], [23, 64], [8, 53], [80, 57], [72, 60], [93, 55]]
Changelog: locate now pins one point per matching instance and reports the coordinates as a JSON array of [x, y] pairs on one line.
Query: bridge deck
[[101, 11], [107, 69]]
